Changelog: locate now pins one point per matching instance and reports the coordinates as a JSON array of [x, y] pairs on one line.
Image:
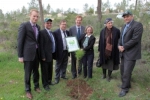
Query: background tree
[[41, 13], [99, 3]]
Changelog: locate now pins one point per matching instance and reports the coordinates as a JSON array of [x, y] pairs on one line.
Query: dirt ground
[[80, 90]]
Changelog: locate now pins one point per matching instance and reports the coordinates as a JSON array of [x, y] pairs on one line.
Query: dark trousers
[[61, 65], [46, 71], [126, 69], [31, 67], [74, 67], [88, 65]]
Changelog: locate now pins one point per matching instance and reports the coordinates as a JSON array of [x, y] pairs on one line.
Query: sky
[[12, 5]]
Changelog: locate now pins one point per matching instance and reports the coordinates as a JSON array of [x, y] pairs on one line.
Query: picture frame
[[72, 44]]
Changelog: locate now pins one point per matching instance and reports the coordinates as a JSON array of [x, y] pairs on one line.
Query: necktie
[[124, 31], [53, 42], [64, 33], [34, 28], [85, 43], [78, 35], [65, 46]]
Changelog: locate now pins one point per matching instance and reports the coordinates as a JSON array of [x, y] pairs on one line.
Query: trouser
[[126, 69]]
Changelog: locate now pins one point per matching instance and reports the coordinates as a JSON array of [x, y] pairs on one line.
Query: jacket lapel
[[31, 30], [47, 34], [129, 27]]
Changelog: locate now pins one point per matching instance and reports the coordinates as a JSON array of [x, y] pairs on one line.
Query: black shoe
[[64, 78], [74, 77], [56, 81], [122, 93], [47, 88]]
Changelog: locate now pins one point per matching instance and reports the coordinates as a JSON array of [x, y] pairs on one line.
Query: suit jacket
[[45, 45], [89, 49], [59, 43], [27, 42], [73, 31], [132, 41]]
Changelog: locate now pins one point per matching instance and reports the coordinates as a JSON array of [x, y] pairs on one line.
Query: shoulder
[[93, 37], [72, 27]]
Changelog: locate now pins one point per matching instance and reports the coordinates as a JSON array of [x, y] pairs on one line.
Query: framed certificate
[[72, 44]]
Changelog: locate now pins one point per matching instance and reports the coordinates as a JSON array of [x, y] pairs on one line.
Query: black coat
[[59, 43], [45, 45], [102, 45], [89, 49]]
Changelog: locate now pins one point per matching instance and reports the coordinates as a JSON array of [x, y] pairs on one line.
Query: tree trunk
[[135, 5], [99, 10], [41, 13]]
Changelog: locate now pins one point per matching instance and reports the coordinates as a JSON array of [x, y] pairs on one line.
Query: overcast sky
[[12, 5]]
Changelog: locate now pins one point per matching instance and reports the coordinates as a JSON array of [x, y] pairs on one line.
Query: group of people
[[37, 46]]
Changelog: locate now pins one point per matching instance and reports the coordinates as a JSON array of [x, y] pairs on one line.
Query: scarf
[[108, 48]]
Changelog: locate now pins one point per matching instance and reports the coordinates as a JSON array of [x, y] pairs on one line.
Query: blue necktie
[[53, 42], [85, 43], [124, 31], [78, 35]]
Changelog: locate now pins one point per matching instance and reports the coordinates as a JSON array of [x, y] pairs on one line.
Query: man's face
[[78, 21], [128, 18], [34, 17], [63, 26], [109, 24], [48, 25]]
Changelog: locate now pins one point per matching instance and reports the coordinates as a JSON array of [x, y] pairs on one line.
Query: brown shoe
[[37, 90], [29, 95]]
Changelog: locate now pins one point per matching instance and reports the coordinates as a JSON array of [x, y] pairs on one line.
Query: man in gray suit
[[77, 31], [28, 52], [130, 49]]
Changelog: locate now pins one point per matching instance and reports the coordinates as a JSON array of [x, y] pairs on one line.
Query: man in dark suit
[[47, 48], [130, 49], [77, 31], [61, 51], [28, 51]]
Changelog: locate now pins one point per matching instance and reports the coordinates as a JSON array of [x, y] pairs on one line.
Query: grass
[[12, 83]]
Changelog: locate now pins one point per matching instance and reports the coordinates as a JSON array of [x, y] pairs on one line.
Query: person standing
[[108, 48], [28, 51], [47, 48], [86, 42], [77, 31], [130, 49], [61, 51]]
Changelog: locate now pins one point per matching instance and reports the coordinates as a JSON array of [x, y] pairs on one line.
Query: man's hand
[[43, 59], [20, 60], [121, 48]]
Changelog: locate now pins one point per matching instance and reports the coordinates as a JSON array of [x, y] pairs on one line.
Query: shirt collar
[[32, 23], [47, 30], [128, 24], [88, 35], [78, 27]]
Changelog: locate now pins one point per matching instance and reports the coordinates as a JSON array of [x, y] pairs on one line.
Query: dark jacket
[[89, 49], [45, 45], [102, 45], [132, 41], [59, 43], [27, 42]]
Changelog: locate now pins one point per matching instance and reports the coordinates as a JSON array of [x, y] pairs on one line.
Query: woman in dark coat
[[108, 48], [86, 42]]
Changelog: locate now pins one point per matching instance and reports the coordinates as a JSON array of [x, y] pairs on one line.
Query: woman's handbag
[[98, 63]]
